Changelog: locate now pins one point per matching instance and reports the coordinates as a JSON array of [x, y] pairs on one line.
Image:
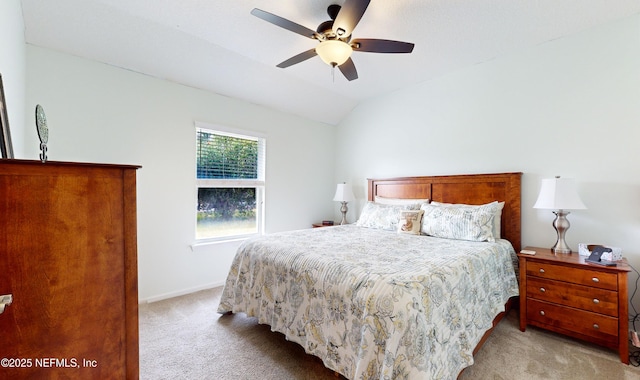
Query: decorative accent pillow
[[383, 217], [399, 201], [494, 207], [410, 222], [452, 222]]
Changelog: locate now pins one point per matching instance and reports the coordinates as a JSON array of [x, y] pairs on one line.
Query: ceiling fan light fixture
[[334, 52]]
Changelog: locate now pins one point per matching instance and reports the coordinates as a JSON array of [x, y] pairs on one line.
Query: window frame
[[259, 184]]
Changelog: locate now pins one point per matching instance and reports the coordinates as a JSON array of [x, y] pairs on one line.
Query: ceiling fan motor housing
[[326, 28]]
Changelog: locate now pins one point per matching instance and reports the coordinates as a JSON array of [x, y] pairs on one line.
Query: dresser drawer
[[577, 296], [581, 276], [567, 318]]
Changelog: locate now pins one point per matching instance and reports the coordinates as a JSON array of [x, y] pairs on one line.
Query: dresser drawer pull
[[541, 312], [595, 279], [595, 326], [596, 301], [543, 290], [541, 270], [5, 300]]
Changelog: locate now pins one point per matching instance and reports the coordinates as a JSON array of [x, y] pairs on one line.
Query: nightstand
[[563, 293], [317, 225]]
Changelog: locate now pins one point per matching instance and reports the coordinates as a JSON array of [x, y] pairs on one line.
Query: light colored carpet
[[184, 338]]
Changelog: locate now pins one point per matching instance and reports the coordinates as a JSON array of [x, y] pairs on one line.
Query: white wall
[[99, 113], [569, 107], [12, 69]]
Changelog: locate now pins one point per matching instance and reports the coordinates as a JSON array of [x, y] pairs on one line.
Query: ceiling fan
[[334, 36]]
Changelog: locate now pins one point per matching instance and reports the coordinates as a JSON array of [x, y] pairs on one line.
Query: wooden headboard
[[474, 189]]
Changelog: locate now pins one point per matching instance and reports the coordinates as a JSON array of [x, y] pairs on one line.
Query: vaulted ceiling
[[218, 46]]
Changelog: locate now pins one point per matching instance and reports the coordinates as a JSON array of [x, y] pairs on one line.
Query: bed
[[388, 303]]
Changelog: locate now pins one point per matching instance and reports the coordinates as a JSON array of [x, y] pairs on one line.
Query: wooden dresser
[[68, 256], [563, 293]]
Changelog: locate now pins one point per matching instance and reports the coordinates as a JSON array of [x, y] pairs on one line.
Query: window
[[230, 181]]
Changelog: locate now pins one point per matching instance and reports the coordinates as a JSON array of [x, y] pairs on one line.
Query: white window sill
[[209, 242]]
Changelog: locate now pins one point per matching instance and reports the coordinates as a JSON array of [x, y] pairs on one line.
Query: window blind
[[225, 156]]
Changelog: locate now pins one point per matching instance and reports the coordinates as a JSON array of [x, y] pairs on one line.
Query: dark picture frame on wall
[[5, 134]]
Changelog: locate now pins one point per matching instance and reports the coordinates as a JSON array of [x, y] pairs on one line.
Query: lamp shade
[[344, 193], [334, 52], [559, 194]]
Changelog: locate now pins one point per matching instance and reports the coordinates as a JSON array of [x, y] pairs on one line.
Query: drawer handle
[[596, 301], [595, 279], [543, 290], [595, 326], [5, 300], [541, 270], [541, 312]]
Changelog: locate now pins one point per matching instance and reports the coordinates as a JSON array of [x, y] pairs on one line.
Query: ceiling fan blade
[[381, 46], [284, 23], [349, 16], [348, 69], [298, 58]]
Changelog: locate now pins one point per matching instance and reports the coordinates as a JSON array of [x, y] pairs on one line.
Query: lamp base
[[561, 225], [560, 250], [344, 210]]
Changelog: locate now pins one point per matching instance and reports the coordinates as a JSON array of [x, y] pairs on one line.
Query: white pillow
[[452, 222], [380, 216], [410, 222], [399, 201], [493, 207]]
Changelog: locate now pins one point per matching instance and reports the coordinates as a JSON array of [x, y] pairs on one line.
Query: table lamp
[[344, 194], [559, 194]]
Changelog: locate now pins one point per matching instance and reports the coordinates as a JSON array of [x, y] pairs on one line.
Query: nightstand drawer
[[567, 318], [578, 296], [582, 276]]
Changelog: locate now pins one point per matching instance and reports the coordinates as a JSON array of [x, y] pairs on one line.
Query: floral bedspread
[[374, 304]]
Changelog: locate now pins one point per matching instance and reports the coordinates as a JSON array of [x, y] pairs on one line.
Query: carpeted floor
[[184, 338]]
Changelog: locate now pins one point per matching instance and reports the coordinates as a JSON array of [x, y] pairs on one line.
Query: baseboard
[[179, 293]]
